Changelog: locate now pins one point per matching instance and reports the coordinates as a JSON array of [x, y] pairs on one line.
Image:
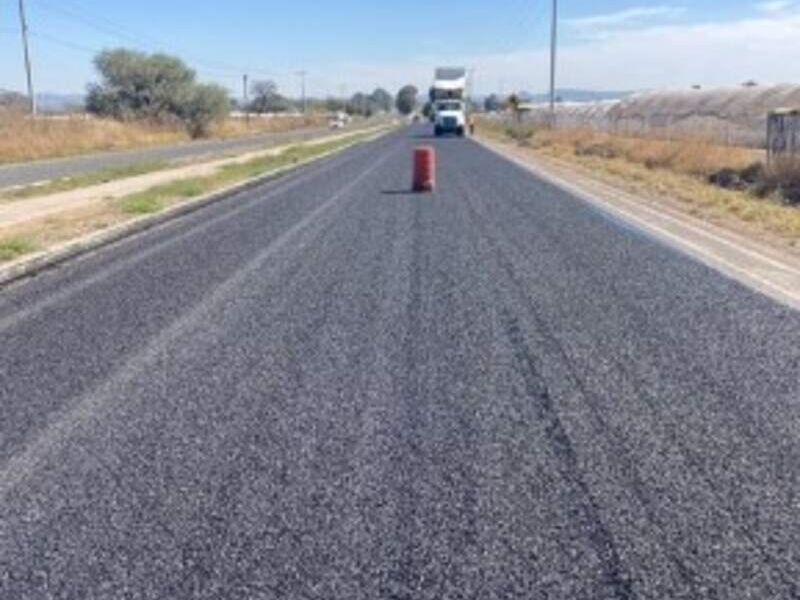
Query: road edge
[[728, 253], [32, 265]]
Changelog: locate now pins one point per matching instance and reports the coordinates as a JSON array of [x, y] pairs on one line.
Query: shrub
[[522, 133], [205, 104], [783, 177]]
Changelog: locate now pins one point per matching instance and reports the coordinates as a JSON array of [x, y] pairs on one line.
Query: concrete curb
[[34, 264]]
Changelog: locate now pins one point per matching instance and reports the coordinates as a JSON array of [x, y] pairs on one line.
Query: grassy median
[[23, 239], [14, 247], [66, 184], [159, 197]]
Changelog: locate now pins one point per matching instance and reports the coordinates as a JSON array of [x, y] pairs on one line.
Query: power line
[[113, 29], [66, 43]]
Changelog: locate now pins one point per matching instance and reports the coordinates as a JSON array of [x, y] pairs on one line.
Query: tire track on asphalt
[[612, 435], [600, 536], [775, 563]]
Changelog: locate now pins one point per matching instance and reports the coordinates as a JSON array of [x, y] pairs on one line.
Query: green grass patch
[[15, 247], [157, 198], [82, 181]]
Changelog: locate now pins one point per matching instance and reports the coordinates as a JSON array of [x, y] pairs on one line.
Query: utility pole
[[553, 50], [26, 51], [471, 84], [302, 75], [246, 98]]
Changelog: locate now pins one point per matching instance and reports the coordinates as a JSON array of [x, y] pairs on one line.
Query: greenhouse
[[730, 115]]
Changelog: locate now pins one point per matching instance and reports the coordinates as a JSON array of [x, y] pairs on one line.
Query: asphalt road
[[17, 174], [331, 388]]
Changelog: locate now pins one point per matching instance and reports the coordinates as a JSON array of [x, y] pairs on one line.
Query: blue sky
[[356, 44]]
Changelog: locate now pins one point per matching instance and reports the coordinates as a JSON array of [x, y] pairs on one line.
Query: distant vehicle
[[450, 118], [338, 120], [449, 114]]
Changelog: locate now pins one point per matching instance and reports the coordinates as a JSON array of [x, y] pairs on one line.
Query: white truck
[[449, 112]]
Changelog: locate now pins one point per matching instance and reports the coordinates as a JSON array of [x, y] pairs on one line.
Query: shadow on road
[[402, 192]]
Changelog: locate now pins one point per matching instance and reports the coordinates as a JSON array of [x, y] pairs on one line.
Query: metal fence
[[783, 133]]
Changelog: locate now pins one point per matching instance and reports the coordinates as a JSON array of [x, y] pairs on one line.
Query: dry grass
[[240, 127], [22, 138], [675, 172], [783, 177], [696, 156]]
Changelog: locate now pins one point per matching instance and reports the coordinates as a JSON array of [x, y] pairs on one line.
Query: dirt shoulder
[[754, 241]]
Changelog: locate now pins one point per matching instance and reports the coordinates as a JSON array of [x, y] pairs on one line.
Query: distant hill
[[576, 95], [48, 102], [52, 102], [9, 99]]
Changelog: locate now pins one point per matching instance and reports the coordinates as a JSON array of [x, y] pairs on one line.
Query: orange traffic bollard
[[424, 169]]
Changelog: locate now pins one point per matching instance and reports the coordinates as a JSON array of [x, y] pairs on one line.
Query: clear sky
[[348, 45]]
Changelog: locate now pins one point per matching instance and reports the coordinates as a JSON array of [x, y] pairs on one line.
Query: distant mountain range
[[51, 102], [577, 95], [566, 95], [48, 102]]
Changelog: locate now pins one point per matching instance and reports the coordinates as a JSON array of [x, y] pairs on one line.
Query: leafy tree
[[156, 87], [360, 104], [492, 103], [407, 99], [137, 85], [382, 100], [266, 98], [367, 105], [335, 105]]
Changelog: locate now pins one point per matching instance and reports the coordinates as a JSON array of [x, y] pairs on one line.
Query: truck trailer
[[447, 97]]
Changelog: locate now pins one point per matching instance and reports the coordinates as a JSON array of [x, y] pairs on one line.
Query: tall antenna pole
[[553, 50], [26, 51]]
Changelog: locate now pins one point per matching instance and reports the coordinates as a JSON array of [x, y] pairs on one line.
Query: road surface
[[20, 174], [329, 387]]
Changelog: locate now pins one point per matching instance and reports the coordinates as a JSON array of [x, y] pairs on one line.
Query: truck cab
[[450, 118]]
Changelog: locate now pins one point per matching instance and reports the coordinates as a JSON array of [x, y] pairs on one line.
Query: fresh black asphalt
[[27, 173], [331, 388]]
